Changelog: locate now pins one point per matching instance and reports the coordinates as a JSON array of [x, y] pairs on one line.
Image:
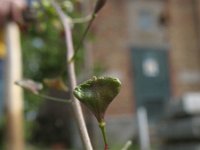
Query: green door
[[151, 79]]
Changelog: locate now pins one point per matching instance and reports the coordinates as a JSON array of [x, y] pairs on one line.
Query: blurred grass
[[119, 147], [116, 147]]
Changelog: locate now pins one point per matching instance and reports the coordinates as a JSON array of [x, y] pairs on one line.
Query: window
[[145, 20]]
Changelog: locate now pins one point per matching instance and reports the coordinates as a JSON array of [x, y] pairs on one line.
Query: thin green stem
[[83, 37], [127, 145], [81, 20], [102, 125], [72, 77], [53, 98]]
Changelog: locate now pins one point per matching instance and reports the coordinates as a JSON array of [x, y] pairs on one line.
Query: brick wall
[[113, 39], [185, 52], [110, 49], [115, 32]]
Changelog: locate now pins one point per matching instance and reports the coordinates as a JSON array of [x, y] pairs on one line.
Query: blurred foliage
[[43, 44], [44, 52], [44, 56]]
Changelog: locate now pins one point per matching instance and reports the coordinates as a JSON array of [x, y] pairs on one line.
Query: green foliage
[[44, 51], [44, 48], [43, 54]]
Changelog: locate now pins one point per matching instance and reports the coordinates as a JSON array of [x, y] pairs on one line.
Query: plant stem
[[127, 145], [72, 77], [53, 98], [13, 94], [83, 38], [102, 125], [81, 20]]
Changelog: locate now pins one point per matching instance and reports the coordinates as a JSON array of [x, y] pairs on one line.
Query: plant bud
[[99, 5], [97, 94]]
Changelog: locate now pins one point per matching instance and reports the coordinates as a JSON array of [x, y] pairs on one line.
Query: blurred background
[[152, 46]]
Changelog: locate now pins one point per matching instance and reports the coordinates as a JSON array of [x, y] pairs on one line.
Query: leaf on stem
[[97, 94], [30, 85]]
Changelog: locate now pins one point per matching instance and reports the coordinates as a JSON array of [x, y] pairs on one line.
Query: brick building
[[171, 25], [137, 24], [160, 36], [184, 42]]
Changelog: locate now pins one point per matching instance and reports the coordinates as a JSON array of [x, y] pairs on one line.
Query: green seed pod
[[99, 5], [97, 94]]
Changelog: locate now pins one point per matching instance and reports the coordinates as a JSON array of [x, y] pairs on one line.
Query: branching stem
[[54, 98], [83, 37], [72, 77], [81, 20]]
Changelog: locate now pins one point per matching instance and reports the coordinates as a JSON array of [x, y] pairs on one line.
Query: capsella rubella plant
[[96, 94]]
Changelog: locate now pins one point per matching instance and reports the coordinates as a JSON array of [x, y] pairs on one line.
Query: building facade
[[171, 26], [153, 47], [121, 28], [184, 41]]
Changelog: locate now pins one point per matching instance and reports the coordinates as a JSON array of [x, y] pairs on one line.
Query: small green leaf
[[97, 94]]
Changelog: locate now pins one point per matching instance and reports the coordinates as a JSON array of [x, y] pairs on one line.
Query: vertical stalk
[[13, 94], [102, 125], [72, 78], [127, 145]]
